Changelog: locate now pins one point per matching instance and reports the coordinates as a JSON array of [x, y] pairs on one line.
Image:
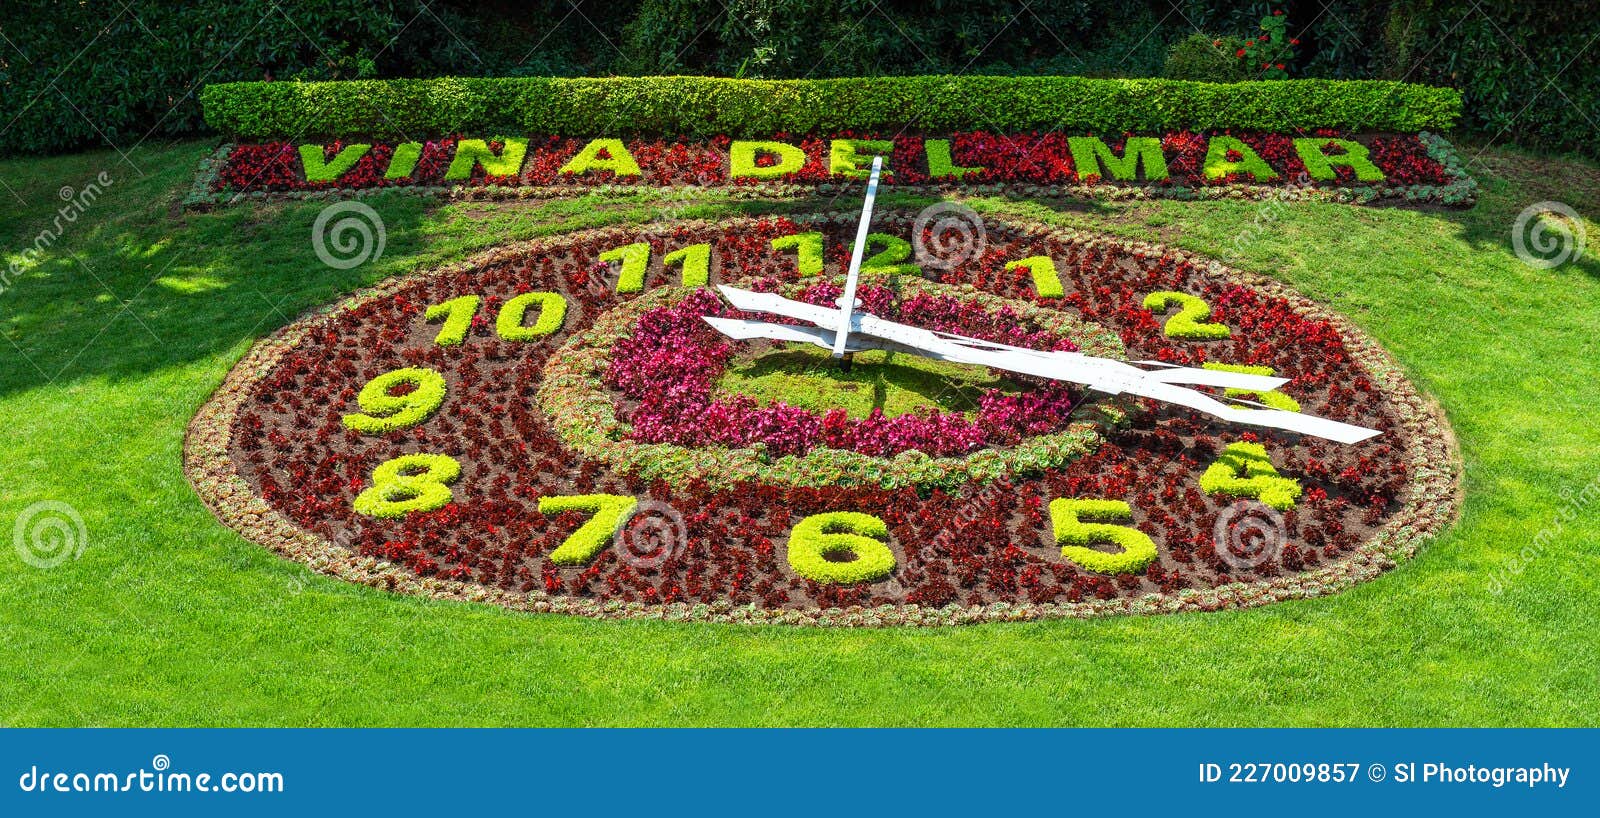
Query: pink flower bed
[[668, 370]]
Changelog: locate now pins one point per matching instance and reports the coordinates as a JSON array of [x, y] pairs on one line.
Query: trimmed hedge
[[707, 106]]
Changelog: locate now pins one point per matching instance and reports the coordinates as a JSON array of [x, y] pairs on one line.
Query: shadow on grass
[[1513, 181], [136, 284]]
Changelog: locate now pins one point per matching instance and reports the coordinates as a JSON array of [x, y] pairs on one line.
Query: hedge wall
[[703, 106], [1524, 68]]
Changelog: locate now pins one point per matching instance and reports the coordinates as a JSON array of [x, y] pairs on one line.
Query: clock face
[[553, 426]]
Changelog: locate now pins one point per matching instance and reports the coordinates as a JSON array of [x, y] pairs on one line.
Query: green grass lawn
[[127, 323]]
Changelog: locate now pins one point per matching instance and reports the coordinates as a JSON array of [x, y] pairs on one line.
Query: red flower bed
[[1017, 159], [981, 544]]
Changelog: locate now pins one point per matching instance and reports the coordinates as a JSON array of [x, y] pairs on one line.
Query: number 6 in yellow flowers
[[840, 547]]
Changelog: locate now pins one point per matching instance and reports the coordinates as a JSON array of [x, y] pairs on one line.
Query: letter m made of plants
[[1093, 157]]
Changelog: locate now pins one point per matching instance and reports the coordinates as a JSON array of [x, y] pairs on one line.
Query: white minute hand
[[1100, 374]]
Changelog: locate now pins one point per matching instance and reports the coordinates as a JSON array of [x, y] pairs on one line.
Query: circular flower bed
[[548, 427], [602, 392]]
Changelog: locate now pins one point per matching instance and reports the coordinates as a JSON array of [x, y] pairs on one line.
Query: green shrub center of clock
[[898, 384]]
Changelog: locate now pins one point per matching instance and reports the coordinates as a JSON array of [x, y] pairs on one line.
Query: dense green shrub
[[99, 74], [75, 75], [1526, 70], [704, 106], [1204, 58], [133, 71]]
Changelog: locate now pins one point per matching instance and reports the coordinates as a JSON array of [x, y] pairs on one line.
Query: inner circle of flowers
[[637, 392]]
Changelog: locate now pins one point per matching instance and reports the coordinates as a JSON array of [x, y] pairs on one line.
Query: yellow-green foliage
[[635, 259], [552, 313], [1043, 270], [853, 157], [412, 482], [1217, 164], [892, 258], [1090, 154], [940, 163], [404, 160], [457, 317], [839, 533], [1274, 398], [611, 512], [696, 261], [1320, 165], [318, 170], [1243, 470], [742, 159], [1074, 535], [1190, 322], [619, 160], [807, 246], [471, 153], [384, 412]]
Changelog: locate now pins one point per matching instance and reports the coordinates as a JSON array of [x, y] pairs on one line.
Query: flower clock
[[557, 426]]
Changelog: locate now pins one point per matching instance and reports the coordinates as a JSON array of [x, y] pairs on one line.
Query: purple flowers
[[667, 371]]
